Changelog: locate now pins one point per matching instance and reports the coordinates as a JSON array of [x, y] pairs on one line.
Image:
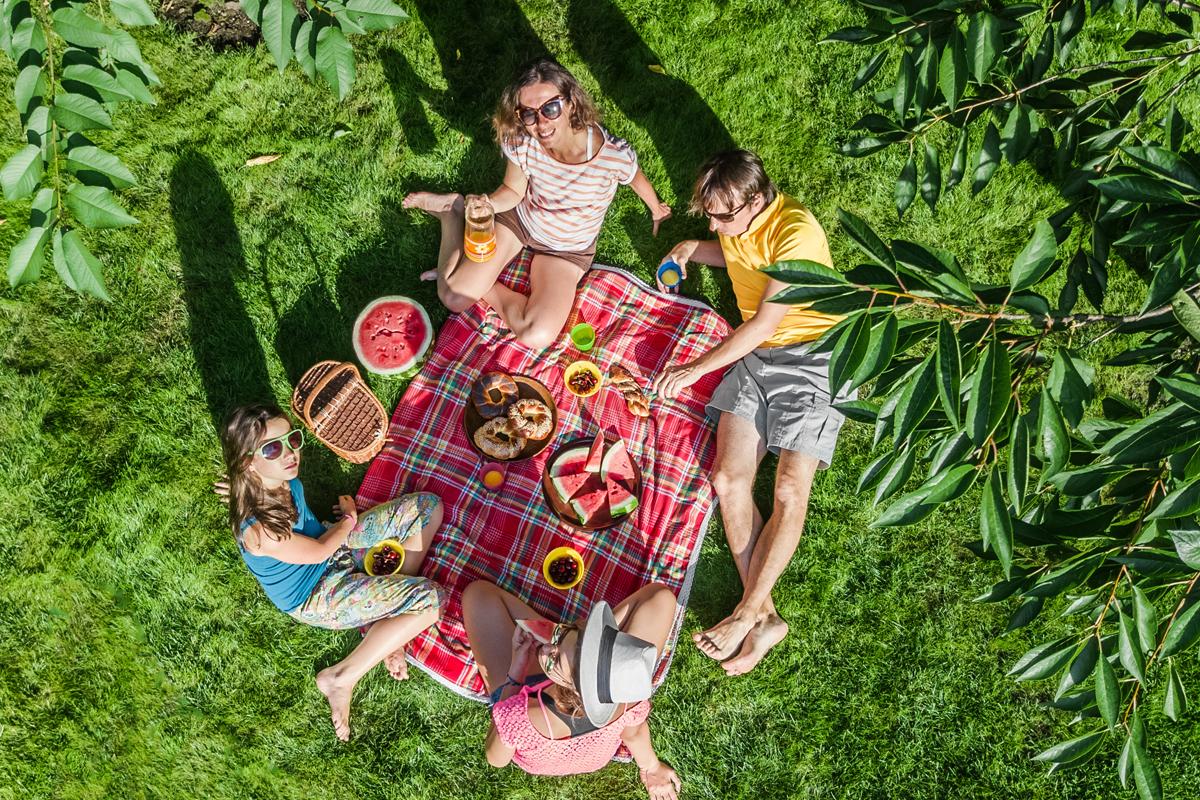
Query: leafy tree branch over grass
[[994, 383]]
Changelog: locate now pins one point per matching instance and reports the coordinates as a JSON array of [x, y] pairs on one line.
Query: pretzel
[[492, 394], [530, 418], [635, 399], [497, 439]]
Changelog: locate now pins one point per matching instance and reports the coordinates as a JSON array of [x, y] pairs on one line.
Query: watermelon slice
[[596, 454], [617, 466], [620, 501], [570, 462], [568, 486], [392, 334], [540, 629], [590, 505]]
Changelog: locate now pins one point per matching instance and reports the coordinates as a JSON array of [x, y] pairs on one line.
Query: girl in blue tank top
[[314, 573]]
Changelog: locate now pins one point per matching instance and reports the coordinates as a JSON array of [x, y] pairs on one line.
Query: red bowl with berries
[[385, 558], [563, 568]]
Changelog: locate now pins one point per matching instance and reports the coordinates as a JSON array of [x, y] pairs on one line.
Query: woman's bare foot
[[434, 203], [722, 640], [396, 665], [765, 635], [338, 696], [429, 275]]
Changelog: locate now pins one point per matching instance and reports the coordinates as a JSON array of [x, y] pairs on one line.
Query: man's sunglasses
[[272, 449], [551, 109], [726, 216]]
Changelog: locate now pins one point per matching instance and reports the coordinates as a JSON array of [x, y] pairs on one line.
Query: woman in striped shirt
[[562, 173]]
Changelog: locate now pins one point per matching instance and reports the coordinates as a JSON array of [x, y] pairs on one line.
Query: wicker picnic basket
[[339, 408]]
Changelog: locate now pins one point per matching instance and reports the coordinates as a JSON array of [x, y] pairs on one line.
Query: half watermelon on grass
[[392, 335]]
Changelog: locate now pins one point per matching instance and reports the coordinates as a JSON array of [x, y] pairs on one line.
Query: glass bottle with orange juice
[[479, 234]]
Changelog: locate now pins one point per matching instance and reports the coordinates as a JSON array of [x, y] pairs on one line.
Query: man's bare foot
[[765, 635], [396, 665], [338, 696], [434, 203], [721, 640], [429, 275]]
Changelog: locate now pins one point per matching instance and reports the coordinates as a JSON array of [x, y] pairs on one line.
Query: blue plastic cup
[[670, 275]]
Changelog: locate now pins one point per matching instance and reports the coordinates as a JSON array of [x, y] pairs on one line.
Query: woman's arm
[[498, 753], [511, 190], [658, 209], [660, 780], [297, 549]]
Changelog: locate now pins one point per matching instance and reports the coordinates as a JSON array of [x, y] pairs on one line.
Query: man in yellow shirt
[[776, 396]]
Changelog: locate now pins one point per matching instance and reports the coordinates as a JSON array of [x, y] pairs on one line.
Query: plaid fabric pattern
[[503, 536]]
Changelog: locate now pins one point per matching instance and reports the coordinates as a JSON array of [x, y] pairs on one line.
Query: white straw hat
[[614, 667]]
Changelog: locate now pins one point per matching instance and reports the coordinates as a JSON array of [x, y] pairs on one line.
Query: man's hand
[[681, 254], [658, 214], [674, 380], [661, 782]]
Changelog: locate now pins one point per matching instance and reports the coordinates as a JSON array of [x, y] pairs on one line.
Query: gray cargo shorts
[[784, 391]]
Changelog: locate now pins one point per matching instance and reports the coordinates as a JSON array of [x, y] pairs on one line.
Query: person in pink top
[[562, 173], [566, 696]]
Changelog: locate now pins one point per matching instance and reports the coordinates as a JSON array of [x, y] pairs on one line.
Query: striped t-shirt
[[564, 204]]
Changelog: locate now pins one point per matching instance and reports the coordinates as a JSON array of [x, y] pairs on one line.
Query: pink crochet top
[[539, 755]]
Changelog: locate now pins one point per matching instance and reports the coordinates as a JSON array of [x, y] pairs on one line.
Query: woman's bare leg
[[460, 280], [489, 615], [386, 636], [538, 319], [648, 614], [415, 547]]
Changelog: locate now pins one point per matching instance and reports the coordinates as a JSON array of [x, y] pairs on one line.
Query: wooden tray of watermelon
[[527, 389], [592, 484]]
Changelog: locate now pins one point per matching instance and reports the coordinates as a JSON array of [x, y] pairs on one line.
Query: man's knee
[[728, 482], [793, 485]]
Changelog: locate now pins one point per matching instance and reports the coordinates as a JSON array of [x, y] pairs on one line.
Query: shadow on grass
[[232, 367]]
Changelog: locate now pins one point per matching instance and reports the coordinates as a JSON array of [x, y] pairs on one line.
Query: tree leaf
[[1175, 127], [1054, 441], [949, 370], [848, 353], [990, 393], [983, 44], [995, 525], [905, 78], [1183, 631], [1108, 693], [1035, 259], [868, 70], [278, 17], [1018, 463], [1166, 431], [951, 484], [952, 72], [1166, 164], [1017, 135], [26, 257], [931, 184], [95, 207], [803, 272], [917, 398], [906, 185], [83, 267], [379, 15], [1137, 189], [80, 29], [258, 161], [1130, 647], [335, 61], [1025, 613], [1183, 387], [1175, 703], [22, 172], [76, 112], [1043, 661], [1187, 545], [87, 158], [305, 46], [1146, 619], [1180, 502], [1071, 749], [133, 12], [880, 351], [989, 158], [1070, 384], [30, 84], [1145, 775], [958, 166], [896, 475], [865, 238]]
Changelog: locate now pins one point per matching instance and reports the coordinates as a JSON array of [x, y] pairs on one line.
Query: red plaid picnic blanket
[[503, 536]]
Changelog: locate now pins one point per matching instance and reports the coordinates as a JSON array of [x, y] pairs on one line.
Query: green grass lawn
[[140, 659]]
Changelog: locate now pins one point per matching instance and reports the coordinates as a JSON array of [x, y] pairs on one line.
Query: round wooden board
[[527, 389]]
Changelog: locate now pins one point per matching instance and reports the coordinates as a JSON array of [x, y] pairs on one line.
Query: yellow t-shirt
[[782, 231]]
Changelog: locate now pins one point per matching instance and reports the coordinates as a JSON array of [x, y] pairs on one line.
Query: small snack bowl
[[491, 475], [583, 378], [382, 551], [563, 568]]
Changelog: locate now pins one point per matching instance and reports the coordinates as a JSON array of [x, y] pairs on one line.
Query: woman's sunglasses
[[272, 449], [551, 109], [726, 216], [551, 658]]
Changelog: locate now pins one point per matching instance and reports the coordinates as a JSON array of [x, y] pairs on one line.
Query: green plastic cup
[[583, 336]]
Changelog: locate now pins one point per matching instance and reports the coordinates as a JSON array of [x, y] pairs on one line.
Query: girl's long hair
[[510, 130], [567, 699], [243, 430]]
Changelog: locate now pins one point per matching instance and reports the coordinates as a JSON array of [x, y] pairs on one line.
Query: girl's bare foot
[[433, 203], [722, 640], [757, 644], [429, 275], [396, 665], [338, 696]]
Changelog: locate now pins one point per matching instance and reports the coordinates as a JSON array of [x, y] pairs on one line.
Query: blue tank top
[[288, 585]]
